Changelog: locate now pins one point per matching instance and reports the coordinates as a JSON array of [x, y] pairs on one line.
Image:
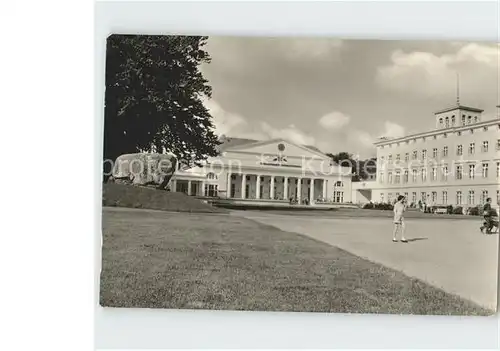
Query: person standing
[[399, 224]]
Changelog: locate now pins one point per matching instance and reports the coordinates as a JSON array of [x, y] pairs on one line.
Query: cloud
[[393, 130], [429, 75], [290, 132], [235, 125], [224, 121], [315, 48], [334, 120], [365, 139]]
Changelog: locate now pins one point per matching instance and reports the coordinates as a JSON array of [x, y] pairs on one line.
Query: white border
[[116, 328]]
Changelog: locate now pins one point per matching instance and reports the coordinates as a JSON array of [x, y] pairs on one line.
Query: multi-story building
[[456, 163]]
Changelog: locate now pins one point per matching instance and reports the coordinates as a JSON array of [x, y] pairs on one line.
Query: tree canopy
[[361, 169], [154, 97]]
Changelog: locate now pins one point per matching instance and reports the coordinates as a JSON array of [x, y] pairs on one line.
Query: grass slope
[[201, 261], [120, 195]]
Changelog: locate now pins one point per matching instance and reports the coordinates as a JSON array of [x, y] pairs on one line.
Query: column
[[257, 187], [285, 188], [311, 192], [271, 190], [228, 187], [324, 188], [189, 187], [243, 185], [202, 190], [299, 190], [173, 185]]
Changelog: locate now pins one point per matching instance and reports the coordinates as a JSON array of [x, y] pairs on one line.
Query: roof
[[461, 107], [229, 142]]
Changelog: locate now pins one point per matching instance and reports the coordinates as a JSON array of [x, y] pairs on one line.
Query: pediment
[[278, 147]]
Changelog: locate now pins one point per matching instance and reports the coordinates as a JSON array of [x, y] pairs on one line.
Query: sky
[[341, 95]]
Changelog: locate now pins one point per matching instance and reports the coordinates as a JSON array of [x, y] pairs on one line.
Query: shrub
[[449, 209], [458, 210], [368, 206], [474, 211]]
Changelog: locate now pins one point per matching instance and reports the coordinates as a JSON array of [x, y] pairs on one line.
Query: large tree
[[361, 169], [154, 97]]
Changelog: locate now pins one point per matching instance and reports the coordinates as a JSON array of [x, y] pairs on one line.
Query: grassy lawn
[[217, 261]]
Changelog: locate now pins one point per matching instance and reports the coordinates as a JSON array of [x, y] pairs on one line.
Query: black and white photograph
[[300, 174]]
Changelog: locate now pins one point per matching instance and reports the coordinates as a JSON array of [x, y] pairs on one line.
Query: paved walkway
[[452, 255]]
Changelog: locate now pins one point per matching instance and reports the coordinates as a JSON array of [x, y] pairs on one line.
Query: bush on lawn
[[368, 206], [458, 210], [475, 211], [449, 209]]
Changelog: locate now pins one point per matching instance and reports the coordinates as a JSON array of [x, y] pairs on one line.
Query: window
[[389, 197], [475, 119], [485, 129], [435, 152], [398, 177], [405, 177], [472, 171], [472, 148], [424, 175], [233, 190], [211, 175], [440, 123], [459, 133], [389, 180], [414, 155], [381, 177], [424, 154], [463, 120], [498, 169], [445, 173], [445, 198], [389, 159], [485, 146], [472, 131], [423, 196], [434, 173], [485, 170], [398, 157], [414, 175], [453, 120], [484, 196], [469, 120], [339, 196], [211, 190], [459, 197], [470, 198], [498, 196], [498, 144], [382, 197], [414, 197], [459, 150], [458, 174], [407, 157], [445, 151], [434, 196], [447, 122]]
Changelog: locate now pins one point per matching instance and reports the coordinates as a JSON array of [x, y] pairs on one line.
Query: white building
[[267, 171], [456, 163]]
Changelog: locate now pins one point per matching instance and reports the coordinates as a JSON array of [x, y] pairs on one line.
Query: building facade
[[457, 163], [272, 170]]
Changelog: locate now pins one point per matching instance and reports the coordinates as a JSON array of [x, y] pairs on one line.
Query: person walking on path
[[399, 224]]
